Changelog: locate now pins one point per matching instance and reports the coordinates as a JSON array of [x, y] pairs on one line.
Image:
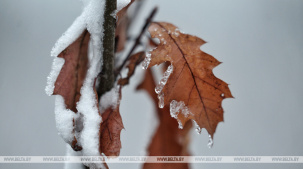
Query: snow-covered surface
[[91, 19], [110, 99]]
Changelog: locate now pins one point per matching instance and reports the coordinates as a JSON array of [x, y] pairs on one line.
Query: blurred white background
[[258, 41]]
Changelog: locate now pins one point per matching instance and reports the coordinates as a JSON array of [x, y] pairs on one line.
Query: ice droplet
[[163, 81], [180, 126], [146, 60], [210, 142], [198, 128], [161, 100]]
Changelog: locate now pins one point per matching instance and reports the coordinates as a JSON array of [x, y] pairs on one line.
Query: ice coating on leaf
[[210, 142], [110, 99], [146, 61], [164, 79], [64, 120], [161, 100], [177, 107]]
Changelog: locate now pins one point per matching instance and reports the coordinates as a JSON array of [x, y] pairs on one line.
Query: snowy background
[[258, 41]]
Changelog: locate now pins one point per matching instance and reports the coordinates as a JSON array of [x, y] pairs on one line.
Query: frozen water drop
[[210, 142], [180, 126], [198, 130]]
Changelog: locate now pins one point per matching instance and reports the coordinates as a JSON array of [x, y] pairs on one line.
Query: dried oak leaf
[[192, 80], [133, 61], [168, 140], [72, 75], [122, 27], [111, 126]]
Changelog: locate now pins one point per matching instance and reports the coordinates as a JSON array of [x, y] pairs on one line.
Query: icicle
[[161, 100], [198, 128], [146, 60], [163, 81], [210, 142]]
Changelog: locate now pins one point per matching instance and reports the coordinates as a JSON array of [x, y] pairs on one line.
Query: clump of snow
[[110, 99], [64, 120]]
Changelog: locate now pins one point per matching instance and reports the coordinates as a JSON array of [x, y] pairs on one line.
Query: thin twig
[[107, 77], [137, 42]]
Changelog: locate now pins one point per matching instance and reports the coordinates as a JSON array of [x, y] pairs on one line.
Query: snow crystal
[[110, 99], [163, 81], [146, 60], [64, 120]]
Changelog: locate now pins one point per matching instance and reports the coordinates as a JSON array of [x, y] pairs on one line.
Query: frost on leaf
[[168, 140], [192, 83]]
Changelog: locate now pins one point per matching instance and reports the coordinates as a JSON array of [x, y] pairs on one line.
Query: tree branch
[[137, 42], [107, 77]]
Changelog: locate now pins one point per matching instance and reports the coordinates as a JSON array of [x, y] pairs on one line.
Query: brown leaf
[[168, 140], [122, 27], [133, 61], [72, 75], [111, 126], [192, 80]]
